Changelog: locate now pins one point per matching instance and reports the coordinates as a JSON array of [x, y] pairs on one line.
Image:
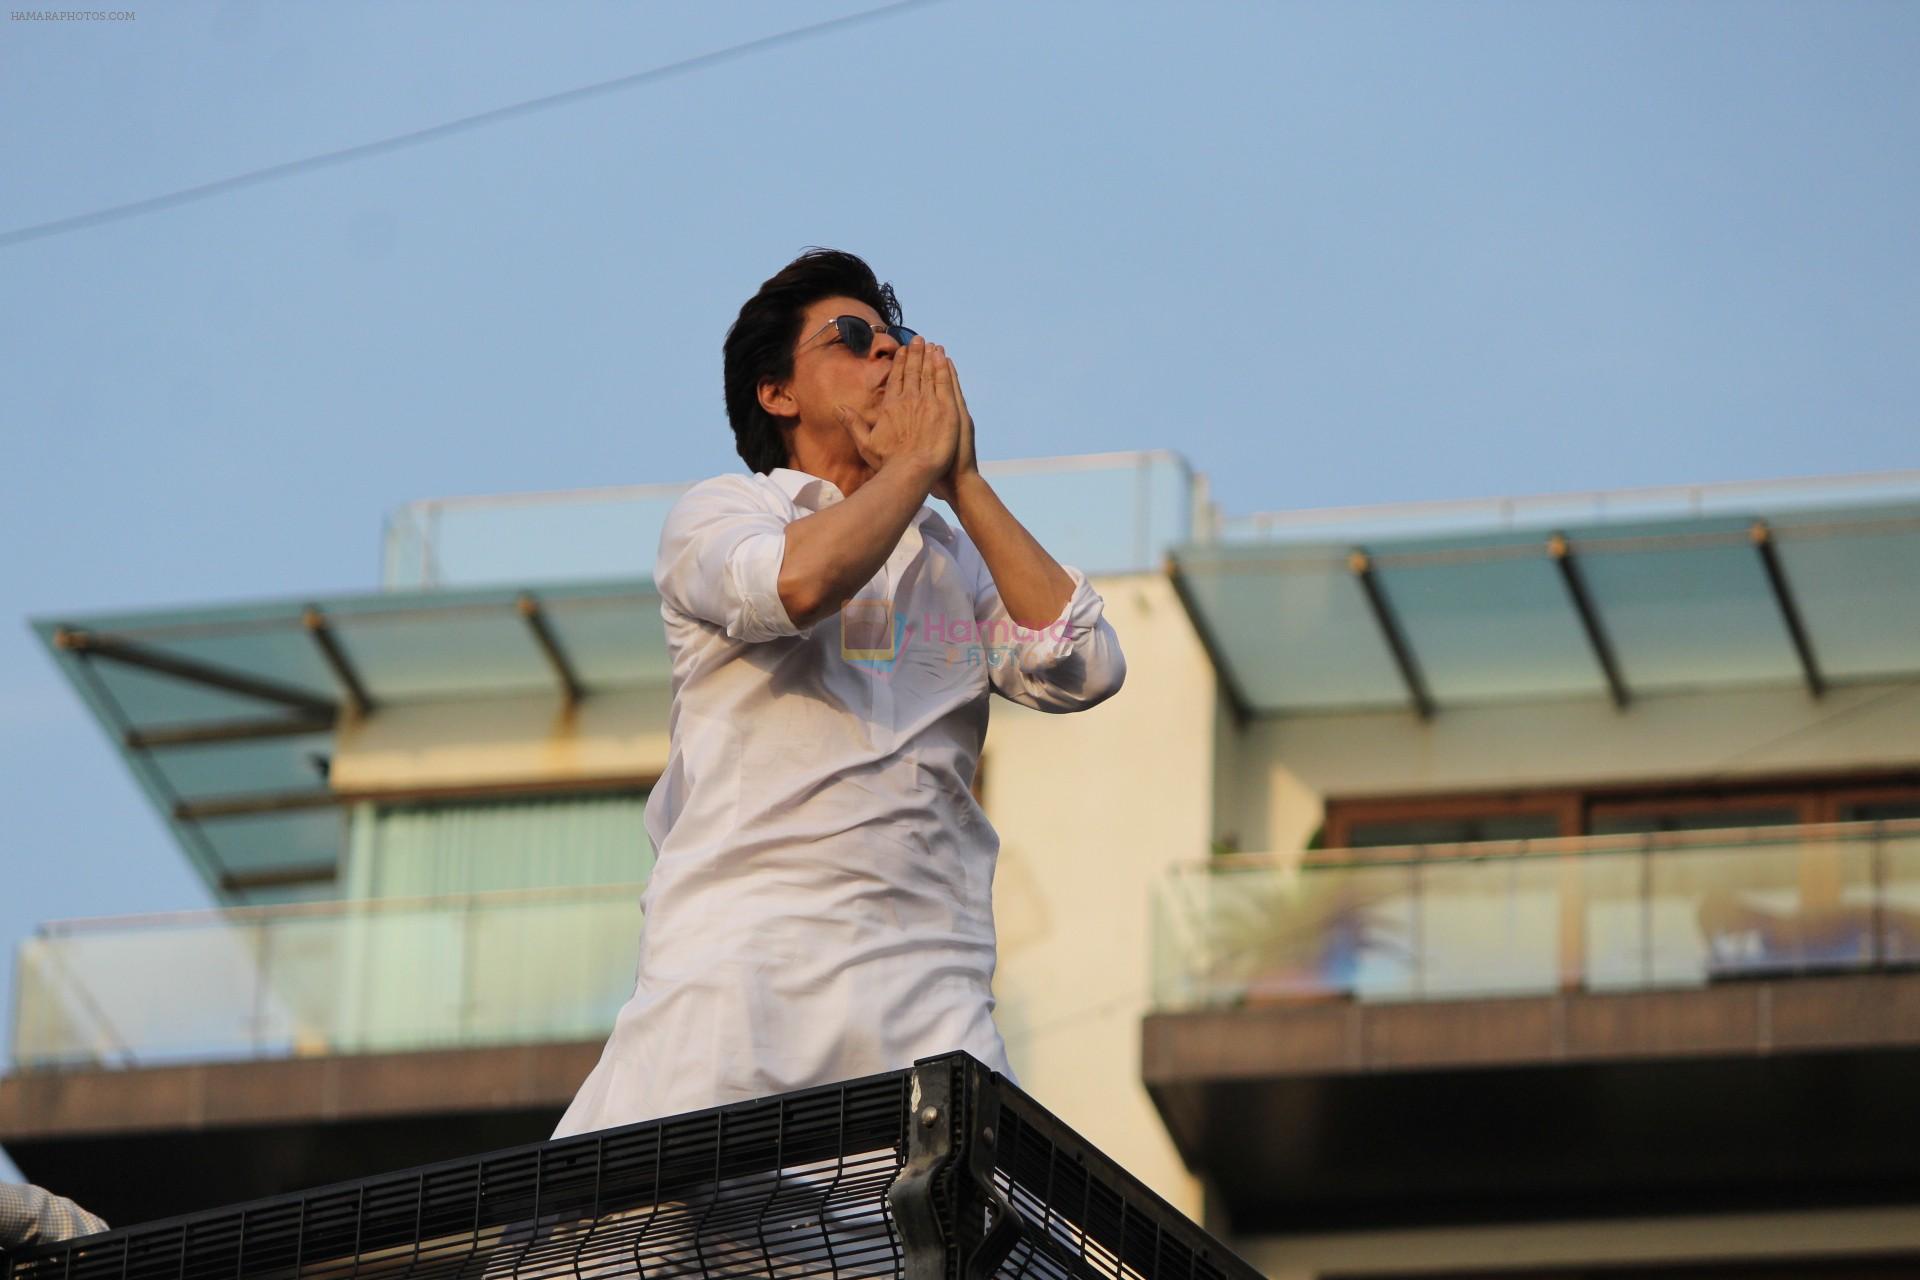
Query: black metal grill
[[943, 1172]]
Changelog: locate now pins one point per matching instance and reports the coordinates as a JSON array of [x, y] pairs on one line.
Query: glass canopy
[[1602, 607], [226, 714]]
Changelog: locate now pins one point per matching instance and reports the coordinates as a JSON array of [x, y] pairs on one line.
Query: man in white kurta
[[821, 904]]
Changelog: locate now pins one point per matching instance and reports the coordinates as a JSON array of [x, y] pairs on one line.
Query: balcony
[[227, 1051], [1107, 513], [1412, 1035]]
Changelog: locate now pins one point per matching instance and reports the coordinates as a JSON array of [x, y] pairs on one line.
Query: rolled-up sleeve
[[1070, 664], [721, 550]]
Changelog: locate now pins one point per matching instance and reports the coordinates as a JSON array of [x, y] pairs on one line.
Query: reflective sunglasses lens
[[856, 333], [900, 333]]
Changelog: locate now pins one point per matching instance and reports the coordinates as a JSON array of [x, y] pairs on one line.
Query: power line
[[256, 177]]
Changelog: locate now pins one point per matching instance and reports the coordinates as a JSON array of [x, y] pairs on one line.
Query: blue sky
[[1335, 253]]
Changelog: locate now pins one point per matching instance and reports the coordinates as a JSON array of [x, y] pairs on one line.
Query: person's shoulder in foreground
[[31, 1215]]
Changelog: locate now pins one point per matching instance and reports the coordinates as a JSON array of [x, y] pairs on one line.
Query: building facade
[[1529, 884]]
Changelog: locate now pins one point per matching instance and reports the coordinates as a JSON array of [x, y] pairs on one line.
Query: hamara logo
[[872, 636]]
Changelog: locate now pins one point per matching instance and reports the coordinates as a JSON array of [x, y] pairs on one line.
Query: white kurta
[[821, 903]]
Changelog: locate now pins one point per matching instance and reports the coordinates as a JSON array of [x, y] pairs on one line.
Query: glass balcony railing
[[1102, 512], [327, 978], [1544, 512], [1599, 913]]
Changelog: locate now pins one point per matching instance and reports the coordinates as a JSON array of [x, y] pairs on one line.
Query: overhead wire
[[433, 133]]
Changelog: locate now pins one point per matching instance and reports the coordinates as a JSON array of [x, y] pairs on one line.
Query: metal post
[[1646, 912], [1419, 924], [427, 537], [259, 1018], [930, 1148], [1762, 536], [1360, 564], [981, 1204], [1575, 582], [1877, 870], [952, 1117], [465, 1030]]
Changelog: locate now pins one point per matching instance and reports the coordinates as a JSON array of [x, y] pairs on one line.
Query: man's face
[[827, 374]]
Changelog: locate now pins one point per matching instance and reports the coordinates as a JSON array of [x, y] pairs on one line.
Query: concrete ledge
[[1782, 1016], [98, 1102], [1793, 1094]]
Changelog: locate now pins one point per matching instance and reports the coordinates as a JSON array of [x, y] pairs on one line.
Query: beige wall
[[522, 739], [1091, 808], [1285, 767]]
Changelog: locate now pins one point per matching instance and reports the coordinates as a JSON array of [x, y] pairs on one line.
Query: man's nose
[[884, 345]]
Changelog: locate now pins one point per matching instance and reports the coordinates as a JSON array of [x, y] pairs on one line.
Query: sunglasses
[[858, 333]]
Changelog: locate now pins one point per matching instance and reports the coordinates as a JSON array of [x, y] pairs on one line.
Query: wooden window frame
[[1343, 815], [1816, 798], [1805, 805]]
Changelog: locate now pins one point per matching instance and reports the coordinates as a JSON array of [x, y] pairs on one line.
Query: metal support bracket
[[1360, 564], [1783, 598], [1576, 584], [930, 1143], [1002, 1222], [953, 1112]]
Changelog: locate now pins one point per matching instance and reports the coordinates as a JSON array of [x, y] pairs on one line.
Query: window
[[526, 842], [422, 964], [1618, 810]]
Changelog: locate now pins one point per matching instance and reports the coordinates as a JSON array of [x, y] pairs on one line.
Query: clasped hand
[[922, 420]]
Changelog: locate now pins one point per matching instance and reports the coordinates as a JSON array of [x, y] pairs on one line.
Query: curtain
[[460, 973]]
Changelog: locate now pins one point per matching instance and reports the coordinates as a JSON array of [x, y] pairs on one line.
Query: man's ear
[[777, 400]]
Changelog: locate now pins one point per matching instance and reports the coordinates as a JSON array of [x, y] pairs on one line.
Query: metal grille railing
[[941, 1172]]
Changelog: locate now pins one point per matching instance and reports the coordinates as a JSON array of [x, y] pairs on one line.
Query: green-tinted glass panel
[[1859, 593], [1293, 628], [1899, 880], [1487, 927], [1735, 912], [252, 843], [1114, 517], [1679, 909], [1490, 629], [612, 642], [1688, 616], [405, 657], [251, 767], [328, 978], [545, 842], [277, 650], [577, 536], [147, 700], [1683, 602], [1103, 513]]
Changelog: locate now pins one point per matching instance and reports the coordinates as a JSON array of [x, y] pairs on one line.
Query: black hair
[[760, 344]]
